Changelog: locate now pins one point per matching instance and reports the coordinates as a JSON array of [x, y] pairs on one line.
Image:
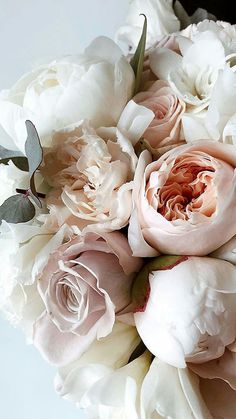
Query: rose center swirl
[[189, 188]]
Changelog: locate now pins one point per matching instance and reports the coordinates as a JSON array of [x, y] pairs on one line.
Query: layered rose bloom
[[91, 181], [85, 284], [163, 133], [184, 203]]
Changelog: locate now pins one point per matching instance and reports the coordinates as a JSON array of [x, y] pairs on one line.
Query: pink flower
[[90, 179], [85, 283], [206, 393], [164, 131], [217, 384], [184, 203]]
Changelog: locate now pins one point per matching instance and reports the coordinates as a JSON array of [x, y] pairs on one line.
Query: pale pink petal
[[219, 398], [56, 347], [223, 368]]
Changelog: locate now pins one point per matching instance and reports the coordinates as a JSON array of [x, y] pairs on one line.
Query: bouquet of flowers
[[117, 212]]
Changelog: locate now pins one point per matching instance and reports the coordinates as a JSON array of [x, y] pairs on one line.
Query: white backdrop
[[32, 32]]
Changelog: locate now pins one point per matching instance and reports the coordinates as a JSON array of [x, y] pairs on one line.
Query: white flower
[[191, 311], [161, 20], [103, 381], [11, 178], [24, 250], [224, 31], [171, 393], [219, 121], [95, 85], [193, 74]]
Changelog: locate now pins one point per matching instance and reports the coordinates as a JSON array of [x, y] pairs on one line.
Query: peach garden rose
[[184, 203]]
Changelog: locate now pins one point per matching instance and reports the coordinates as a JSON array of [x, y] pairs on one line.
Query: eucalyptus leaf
[[141, 286], [21, 163], [17, 158], [17, 209], [34, 153], [9, 154], [138, 58]]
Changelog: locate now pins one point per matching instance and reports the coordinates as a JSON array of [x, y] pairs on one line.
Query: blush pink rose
[[85, 284], [184, 203], [163, 133]]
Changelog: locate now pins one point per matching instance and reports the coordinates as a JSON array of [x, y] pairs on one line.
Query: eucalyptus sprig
[[19, 208]]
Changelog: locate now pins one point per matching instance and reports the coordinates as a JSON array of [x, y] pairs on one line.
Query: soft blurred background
[[33, 32]]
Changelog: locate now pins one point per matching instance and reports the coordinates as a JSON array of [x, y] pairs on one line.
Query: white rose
[[95, 85], [192, 309], [161, 20], [192, 74], [24, 250], [103, 380]]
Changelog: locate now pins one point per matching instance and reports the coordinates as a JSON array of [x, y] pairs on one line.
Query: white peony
[[95, 86], [191, 311], [161, 20]]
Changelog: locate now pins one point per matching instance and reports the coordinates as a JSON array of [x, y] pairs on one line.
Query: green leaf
[[9, 154], [21, 163], [17, 209], [17, 158], [138, 58], [141, 286], [34, 153]]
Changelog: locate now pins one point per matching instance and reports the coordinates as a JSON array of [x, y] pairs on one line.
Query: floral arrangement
[[117, 211]]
